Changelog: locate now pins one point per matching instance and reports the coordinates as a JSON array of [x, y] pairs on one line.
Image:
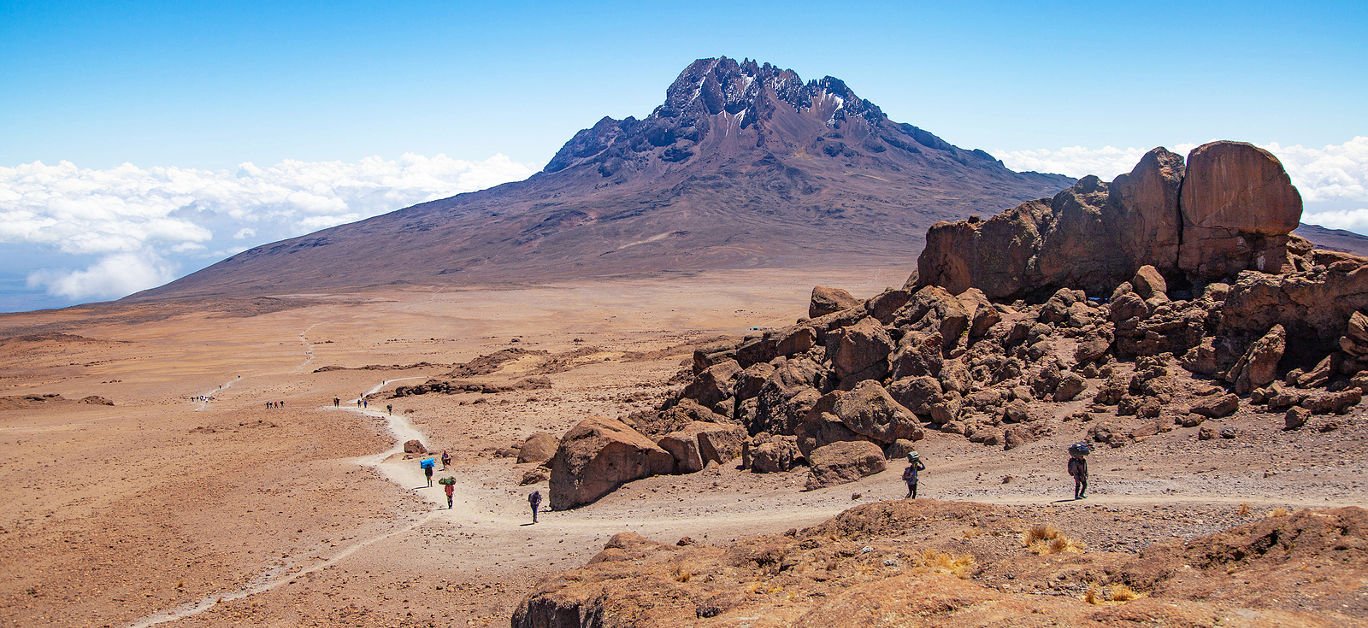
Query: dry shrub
[[1279, 512], [1244, 509], [1047, 539], [680, 573], [1117, 593], [957, 564]]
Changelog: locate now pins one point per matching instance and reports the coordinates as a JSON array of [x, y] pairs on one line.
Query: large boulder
[[859, 352], [598, 455], [869, 411], [1314, 307], [786, 396], [774, 343], [714, 383], [774, 454], [538, 448], [839, 463], [1259, 366], [828, 300], [1143, 206], [1238, 207], [699, 443]]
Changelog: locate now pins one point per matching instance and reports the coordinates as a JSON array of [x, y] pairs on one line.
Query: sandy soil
[[163, 508]]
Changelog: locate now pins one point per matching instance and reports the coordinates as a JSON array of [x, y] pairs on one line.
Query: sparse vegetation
[[1047, 539], [957, 564], [1244, 509], [682, 573], [1279, 512], [1118, 593]]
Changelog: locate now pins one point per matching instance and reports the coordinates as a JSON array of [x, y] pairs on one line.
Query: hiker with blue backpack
[[914, 466]]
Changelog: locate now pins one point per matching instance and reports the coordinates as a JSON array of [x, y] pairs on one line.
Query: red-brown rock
[[597, 456]]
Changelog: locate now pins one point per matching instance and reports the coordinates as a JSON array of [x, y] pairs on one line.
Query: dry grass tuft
[[1244, 509], [957, 564], [1279, 512], [680, 573], [1116, 593], [1046, 539]]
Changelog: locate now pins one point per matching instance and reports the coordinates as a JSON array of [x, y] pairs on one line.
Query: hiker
[[534, 500], [450, 488], [427, 470], [446, 460], [358, 402], [389, 408], [914, 465], [365, 403], [337, 402], [1078, 468]]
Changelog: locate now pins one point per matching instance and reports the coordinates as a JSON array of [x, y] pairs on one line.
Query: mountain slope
[[744, 165]]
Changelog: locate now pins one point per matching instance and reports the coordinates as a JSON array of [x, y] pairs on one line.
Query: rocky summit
[[744, 165], [1173, 295]]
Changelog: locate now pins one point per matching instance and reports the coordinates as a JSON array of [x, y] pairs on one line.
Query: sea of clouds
[[129, 228], [79, 234]]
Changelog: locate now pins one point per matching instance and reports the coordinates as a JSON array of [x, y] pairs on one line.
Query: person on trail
[[914, 465], [337, 402], [1078, 468], [358, 402], [534, 500], [365, 403], [446, 460], [389, 408], [450, 488], [427, 470]]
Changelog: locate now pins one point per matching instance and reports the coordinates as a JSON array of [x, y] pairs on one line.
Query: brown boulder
[[1238, 207], [714, 383], [1143, 205], [1295, 418], [1259, 366], [859, 352], [774, 343], [839, 463], [828, 300], [697, 444], [1148, 283], [1216, 406], [597, 456], [414, 446], [1332, 402], [538, 448], [786, 396], [869, 411], [774, 455]]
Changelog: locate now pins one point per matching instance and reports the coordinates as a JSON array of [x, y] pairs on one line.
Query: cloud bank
[[137, 227], [1333, 179]]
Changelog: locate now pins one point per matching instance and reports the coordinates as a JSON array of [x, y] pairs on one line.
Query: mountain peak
[[747, 102]]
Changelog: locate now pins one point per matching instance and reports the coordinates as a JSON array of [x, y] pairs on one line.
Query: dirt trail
[[308, 349]]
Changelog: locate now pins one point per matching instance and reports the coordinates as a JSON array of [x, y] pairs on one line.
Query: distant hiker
[[336, 402], [450, 488], [914, 465], [1078, 468], [281, 404], [427, 470], [446, 460], [534, 500], [358, 402], [365, 403], [389, 408]]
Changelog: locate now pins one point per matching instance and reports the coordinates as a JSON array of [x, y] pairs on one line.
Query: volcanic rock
[[1238, 207], [598, 455], [839, 463], [828, 300], [538, 448]]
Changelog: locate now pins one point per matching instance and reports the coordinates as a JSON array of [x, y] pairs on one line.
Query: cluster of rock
[[1170, 296], [452, 387]]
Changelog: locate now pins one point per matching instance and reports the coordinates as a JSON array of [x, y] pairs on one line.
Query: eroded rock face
[[1231, 208], [700, 443], [599, 455], [1238, 207], [847, 461]]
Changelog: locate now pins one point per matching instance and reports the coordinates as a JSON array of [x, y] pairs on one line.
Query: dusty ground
[[162, 507]]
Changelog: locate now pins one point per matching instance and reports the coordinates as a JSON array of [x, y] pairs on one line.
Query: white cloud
[[1355, 220], [1336, 173], [113, 276], [143, 222]]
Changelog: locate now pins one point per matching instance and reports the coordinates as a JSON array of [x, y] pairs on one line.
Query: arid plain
[[162, 507]]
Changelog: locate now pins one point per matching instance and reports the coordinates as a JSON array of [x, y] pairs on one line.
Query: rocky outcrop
[[839, 463], [1232, 208], [699, 443], [599, 455]]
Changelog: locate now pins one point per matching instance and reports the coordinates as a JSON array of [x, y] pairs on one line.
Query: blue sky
[[209, 86]]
